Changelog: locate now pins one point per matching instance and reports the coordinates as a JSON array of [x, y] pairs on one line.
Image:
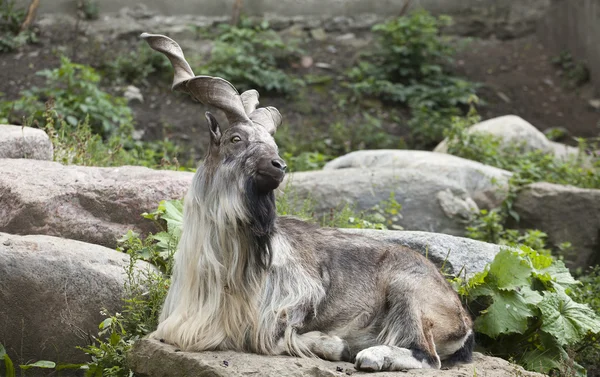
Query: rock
[[318, 34], [323, 65], [150, 358], [566, 214], [345, 37], [294, 31], [133, 93], [439, 193], [90, 204], [51, 293], [306, 61], [513, 129], [595, 103], [25, 142], [457, 255]]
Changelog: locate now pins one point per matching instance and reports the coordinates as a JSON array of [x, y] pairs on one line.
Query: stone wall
[[505, 18], [574, 26], [291, 7]]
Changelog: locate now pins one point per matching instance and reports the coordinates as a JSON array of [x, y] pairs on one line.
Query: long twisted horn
[[214, 91], [206, 89]]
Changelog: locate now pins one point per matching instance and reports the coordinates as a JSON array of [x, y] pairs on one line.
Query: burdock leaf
[[508, 314], [510, 270], [567, 320]]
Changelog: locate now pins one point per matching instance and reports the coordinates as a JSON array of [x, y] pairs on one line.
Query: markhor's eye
[[236, 139]]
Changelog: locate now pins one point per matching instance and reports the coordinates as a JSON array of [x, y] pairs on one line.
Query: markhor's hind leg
[[388, 358], [406, 339]]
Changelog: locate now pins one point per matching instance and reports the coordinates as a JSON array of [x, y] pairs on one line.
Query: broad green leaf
[[476, 286], [508, 314], [559, 275], [8, 364], [10, 368], [71, 366], [114, 339], [481, 290], [105, 324], [173, 216], [530, 296], [567, 320], [164, 239], [128, 236], [538, 261], [44, 364], [144, 253], [510, 270]]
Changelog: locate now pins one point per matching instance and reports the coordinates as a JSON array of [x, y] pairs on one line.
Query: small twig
[[405, 7], [236, 12], [30, 16]]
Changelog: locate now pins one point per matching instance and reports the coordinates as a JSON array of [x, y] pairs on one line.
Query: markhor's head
[[248, 144]]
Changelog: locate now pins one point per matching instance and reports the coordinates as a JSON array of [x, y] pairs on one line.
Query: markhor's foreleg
[[390, 358], [314, 343]]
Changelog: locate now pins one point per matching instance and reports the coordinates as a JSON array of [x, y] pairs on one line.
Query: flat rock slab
[[457, 255], [90, 204], [51, 293], [150, 358], [24, 142]]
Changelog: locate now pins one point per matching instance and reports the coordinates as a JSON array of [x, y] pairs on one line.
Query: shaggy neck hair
[[224, 254]]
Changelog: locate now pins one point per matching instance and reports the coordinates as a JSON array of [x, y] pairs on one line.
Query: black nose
[[279, 164]]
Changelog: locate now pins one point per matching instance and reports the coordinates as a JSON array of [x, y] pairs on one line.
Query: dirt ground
[[518, 77]]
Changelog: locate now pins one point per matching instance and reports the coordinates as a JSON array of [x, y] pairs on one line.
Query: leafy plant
[[410, 66], [538, 341], [73, 90], [251, 57], [80, 146], [135, 66], [524, 310], [587, 352], [312, 151], [90, 9], [10, 371], [582, 170], [11, 19], [305, 161], [382, 216], [576, 73], [414, 49], [145, 292]]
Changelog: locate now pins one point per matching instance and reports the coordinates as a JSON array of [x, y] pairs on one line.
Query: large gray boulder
[[566, 214], [150, 358], [439, 193], [51, 294], [24, 142], [90, 204], [456, 255], [514, 129]]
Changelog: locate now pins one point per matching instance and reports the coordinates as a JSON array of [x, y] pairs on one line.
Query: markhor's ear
[[213, 126]]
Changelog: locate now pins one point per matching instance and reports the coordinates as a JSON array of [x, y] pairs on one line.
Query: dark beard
[[263, 212]]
